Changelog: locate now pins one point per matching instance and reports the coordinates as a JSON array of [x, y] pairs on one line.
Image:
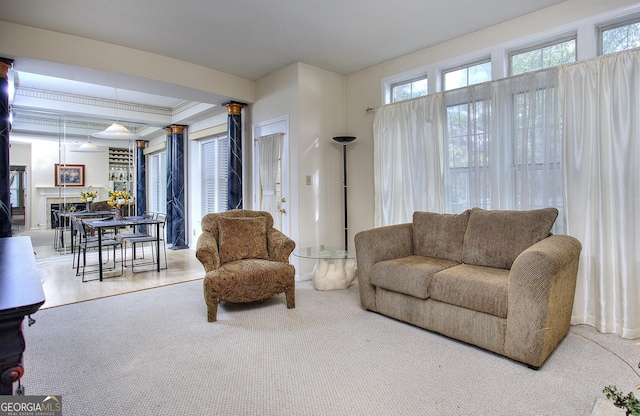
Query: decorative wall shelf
[[121, 169]]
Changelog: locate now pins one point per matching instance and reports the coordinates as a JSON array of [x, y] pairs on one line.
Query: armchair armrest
[[542, 284], [379, 244], [279, 246], [207, 251]]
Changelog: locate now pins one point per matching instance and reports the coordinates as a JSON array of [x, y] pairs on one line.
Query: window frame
[[157, 190], [541, 45], [601, 28]]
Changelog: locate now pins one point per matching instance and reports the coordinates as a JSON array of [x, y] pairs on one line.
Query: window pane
[[621, 38], [469, 75], [419, 88], [401, 92], [408, 90], [480, 73], [455, 79]]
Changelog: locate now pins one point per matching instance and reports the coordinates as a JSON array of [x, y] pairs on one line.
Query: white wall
[[364, 88], [314, 101]]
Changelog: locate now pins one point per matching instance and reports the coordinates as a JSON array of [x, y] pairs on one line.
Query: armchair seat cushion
[[249, 280]]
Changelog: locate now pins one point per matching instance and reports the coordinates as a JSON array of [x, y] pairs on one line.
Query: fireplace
[[65, 207], [49, 197]]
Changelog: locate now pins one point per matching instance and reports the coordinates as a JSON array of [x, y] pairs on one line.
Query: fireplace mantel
[[48, 195]]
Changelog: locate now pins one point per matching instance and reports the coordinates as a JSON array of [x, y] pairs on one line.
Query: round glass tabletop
[[325, 252]]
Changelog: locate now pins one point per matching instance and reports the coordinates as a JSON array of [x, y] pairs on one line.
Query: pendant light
[[87, 147], [116, 130]]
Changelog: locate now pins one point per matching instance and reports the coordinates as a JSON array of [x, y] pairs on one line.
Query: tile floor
[[62, 286]]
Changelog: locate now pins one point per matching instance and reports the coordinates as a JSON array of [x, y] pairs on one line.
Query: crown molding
[[94, 101]]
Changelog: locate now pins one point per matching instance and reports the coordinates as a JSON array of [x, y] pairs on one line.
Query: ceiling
[[253, 38]]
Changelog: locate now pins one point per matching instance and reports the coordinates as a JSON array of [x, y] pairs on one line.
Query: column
[[141, 177], [5, 174], [177, 168], [169, 190], [234, 131]]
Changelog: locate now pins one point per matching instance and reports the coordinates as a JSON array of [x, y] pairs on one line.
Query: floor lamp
[[344, 140]]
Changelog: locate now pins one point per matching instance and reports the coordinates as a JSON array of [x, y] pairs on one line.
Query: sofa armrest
[[542, 284], [207, 251], [379, 244], [279, 246]]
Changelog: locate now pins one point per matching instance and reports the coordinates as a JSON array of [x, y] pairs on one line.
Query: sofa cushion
[[242, 238], [439, 235], [496, 238], [482, 289], [408, 275]]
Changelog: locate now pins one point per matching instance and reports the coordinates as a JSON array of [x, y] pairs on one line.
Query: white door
[[271, 170]]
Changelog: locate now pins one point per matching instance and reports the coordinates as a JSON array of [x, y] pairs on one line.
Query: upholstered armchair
[[245, 259]]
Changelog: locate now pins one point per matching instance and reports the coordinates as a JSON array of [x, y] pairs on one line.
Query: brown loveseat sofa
[[495, 279]]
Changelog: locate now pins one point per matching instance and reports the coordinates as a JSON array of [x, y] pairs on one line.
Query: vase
[[119, 215], [90, 204]]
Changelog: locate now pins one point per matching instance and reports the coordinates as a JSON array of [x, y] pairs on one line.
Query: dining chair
[[90, 243], [60, 227], [138, 239]]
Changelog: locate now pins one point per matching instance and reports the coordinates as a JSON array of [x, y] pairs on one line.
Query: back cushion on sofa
[[439, 235], [496, 238]]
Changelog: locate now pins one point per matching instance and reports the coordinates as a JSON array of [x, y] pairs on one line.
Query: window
[[543, 56], [157, 182], [214, 162], [474, 73], [467, 154], [619, 37], [502, 145], [406, 90]]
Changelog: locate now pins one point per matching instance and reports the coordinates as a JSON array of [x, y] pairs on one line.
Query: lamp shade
[[344, 139], [87, 147], [116, 131]]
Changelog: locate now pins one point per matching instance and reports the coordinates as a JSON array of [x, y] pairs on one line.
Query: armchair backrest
[[210, 221], [278, 245]]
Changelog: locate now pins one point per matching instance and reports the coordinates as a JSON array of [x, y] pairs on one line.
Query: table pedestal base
[[334, 275]]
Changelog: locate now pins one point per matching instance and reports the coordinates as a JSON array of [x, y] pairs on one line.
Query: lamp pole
[[344, 140]]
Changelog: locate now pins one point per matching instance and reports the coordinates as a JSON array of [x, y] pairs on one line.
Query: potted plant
[[629, 403]]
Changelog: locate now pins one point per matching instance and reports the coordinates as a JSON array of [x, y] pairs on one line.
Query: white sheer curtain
[[408, 152], [495, 145], [269, 154], [503, 146], [601, 107]]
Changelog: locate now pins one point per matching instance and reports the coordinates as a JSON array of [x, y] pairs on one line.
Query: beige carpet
[[153, 352]]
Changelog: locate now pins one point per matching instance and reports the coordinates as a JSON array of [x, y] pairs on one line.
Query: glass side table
[[335, 268]]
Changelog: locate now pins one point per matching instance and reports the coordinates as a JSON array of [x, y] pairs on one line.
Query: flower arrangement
[[118, 198], [88, 196]]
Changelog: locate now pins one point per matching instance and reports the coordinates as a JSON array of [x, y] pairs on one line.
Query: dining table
[[66, 217], [102, 224]]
